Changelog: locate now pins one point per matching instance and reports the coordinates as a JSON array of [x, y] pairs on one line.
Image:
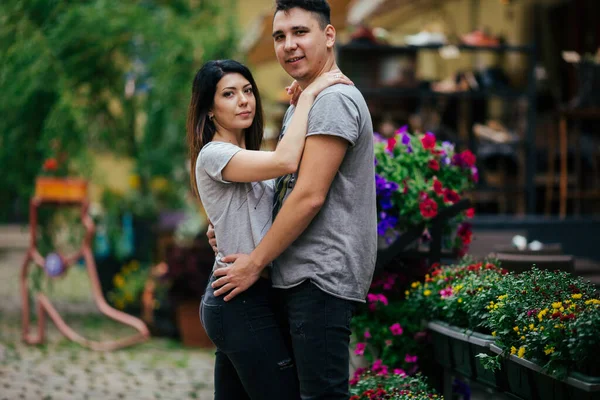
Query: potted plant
[[416, 176]]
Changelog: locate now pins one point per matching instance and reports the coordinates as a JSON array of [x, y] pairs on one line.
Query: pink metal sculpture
[[56, 265]]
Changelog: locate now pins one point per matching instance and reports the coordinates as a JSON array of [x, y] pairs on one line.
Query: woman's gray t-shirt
[[240, 212]]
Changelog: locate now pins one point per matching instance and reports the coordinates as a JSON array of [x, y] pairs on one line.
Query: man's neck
[[330, 65]]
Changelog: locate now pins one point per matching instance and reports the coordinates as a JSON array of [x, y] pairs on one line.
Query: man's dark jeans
[[253, 360], [319, 324]]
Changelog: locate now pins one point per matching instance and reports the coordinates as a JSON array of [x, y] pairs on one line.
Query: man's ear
[[330, 34]]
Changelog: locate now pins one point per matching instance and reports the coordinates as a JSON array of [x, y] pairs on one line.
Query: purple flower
[[402, 129], [409, 149], [405, 139]]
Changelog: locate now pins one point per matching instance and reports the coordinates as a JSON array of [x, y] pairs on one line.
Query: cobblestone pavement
[[158, 369]]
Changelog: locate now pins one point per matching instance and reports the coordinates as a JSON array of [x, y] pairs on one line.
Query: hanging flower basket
[[61, 189]]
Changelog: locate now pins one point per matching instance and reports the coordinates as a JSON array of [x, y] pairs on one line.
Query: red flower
[[428, 141], [428, 208], [50, 164], [434, 165], [450, 196], [468, 158], [391, 143], [470, 213], [466, 235], [437, 187]]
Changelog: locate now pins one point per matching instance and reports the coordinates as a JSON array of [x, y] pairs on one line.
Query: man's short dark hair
[[320, 8]]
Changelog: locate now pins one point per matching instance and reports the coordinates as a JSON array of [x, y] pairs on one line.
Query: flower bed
[[375, 385], [415, 178], [548, 317]]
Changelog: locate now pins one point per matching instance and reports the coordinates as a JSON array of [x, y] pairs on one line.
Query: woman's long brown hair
[[200, 129]]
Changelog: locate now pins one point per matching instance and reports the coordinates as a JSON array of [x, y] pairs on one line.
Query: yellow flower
[[406, 293], [134, 181], [502, 297], [557, 305], [513, 350], [549, 350], [516, 329], [531, 326], [118, 281], [159, 184], [415, 285], [494, 333], [542, 313], [459, 300], [576, 296], [521, 352], [427, 293], [559, 326], [541, 328], [562, 309], [458, 287], [592, 301], [522, 337]]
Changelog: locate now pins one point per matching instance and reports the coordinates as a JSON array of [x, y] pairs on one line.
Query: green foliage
[[105, 75]]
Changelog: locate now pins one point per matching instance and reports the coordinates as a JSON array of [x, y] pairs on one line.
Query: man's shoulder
[[340, 89]]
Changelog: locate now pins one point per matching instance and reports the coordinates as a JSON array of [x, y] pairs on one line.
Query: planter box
[[457, 348], [520, 377], [60, 189], [527, 380]]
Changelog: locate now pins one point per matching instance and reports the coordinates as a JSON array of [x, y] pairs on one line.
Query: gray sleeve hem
[[219, 177], [352, 143]]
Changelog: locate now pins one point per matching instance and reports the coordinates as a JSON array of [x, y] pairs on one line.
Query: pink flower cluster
[[373, 299]]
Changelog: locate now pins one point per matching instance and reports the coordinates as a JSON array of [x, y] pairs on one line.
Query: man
[[323, 241]]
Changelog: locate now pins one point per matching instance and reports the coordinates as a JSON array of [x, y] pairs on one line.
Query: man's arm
[[323, 155]]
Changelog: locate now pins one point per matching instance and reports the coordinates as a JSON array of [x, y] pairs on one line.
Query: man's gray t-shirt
[[240, 212], [337, 251]]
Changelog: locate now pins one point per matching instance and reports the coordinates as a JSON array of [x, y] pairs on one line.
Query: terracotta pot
[[190, 328], [60, 189]]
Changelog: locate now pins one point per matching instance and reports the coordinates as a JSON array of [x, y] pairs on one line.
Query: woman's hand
[[294, 91], [324, 81]]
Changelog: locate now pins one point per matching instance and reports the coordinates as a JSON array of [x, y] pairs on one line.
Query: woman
[[225, 129]]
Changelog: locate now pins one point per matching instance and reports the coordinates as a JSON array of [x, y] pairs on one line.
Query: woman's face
[[234, 104]]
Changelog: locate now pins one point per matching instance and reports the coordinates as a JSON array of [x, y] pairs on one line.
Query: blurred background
[[98, 90]]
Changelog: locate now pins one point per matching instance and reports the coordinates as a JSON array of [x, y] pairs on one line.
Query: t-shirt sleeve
[[214, 158], [334, 114]]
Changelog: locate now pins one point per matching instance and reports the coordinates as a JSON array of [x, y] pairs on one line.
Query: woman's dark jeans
[[253, 360]]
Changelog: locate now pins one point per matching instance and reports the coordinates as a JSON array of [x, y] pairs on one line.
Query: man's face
[[301, 46]]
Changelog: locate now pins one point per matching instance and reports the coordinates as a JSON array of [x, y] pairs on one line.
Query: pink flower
[[379, 368], [445, 293], [383, 370], [360, 349], [410, 359], [382, 299], [367, 334], [396, 329], [399, 371], [470, 213], [388, 342]]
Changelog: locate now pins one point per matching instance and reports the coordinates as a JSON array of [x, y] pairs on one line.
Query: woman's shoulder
[[214, 149]]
